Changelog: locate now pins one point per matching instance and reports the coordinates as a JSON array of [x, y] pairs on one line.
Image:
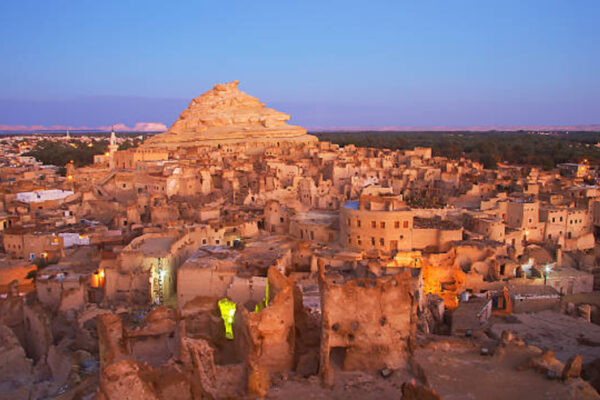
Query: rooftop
[[434, 223], [156, 246]]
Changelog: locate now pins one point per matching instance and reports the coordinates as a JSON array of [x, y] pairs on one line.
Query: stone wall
[[367, 324], [270, 335]]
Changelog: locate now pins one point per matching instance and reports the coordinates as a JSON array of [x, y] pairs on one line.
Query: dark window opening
[[337, 357]]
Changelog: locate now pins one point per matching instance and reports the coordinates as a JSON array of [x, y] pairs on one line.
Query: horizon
[[328, 66], [62, 130]]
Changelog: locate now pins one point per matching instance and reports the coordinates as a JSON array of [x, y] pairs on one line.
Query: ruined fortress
[[237, 256]]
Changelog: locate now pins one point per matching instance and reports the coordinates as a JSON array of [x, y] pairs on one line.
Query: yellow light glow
[[227, 308], [107, 154]]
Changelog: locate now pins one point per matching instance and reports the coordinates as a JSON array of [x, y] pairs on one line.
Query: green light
[[263, 304], [227, 308]]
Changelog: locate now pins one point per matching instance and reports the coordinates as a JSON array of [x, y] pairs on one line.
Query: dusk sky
[[327, 63]]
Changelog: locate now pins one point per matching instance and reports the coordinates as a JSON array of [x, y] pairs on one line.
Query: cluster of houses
[[137, 252]]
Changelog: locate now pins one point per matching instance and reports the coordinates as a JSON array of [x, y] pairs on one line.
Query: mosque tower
[[112, 148]]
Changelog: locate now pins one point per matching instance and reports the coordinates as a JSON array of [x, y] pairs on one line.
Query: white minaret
[[112, 148], [68, 135]]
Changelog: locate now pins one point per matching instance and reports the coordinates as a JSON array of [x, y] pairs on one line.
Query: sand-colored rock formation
[[227, 116]]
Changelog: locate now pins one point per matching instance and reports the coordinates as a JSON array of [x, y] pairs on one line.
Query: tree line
[[489, 148]]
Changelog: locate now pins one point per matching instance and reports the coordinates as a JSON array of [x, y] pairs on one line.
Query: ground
[[455, 369], [348, 386], [461, 373], [566, 335]]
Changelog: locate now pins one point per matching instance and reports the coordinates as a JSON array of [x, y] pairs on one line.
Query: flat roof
[[318, 217], [157, 246]]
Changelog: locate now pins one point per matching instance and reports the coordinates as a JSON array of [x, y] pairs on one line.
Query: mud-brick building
[[368, 323]]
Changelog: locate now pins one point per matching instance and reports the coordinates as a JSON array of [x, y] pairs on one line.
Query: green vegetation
[[61, 153], [488, 148], [265, 302], [424, 200], [130, 144]]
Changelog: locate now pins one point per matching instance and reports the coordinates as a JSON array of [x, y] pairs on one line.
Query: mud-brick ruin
[[367, 322], [237, 256]]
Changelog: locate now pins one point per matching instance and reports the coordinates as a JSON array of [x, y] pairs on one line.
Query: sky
[[326, 63]]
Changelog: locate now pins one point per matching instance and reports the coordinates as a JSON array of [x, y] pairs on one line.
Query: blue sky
[[327, 63]]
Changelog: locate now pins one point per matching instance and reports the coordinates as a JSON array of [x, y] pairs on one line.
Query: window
[[349, 239], [349, 222], [373, 224], [394, 244], [381, 242], [312, 235], [530, 220], [397, 224], [281, 219], [561, 219], [358, 223], [401, 237], [373, 241], [382, 224], [358, 241], [405, 224]]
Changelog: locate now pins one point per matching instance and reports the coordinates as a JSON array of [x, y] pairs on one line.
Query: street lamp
[[546, 274]]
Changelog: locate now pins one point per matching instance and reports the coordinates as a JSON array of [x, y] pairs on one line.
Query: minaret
[[68, 135], [112, 148]]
